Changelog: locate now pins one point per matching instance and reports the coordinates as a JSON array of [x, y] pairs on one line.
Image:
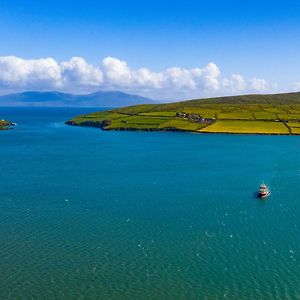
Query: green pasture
[[259, 127], [181, 125], [264, 114]]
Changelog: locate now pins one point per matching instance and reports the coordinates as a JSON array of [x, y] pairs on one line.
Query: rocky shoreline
[[102, 125]]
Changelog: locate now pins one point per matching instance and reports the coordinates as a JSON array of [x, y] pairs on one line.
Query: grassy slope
[[262, 114]]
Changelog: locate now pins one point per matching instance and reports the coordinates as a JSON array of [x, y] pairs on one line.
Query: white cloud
[[235, 83], [296, 86], [211, 73], [178, 78], [78, 71], [76, 74], [17, 72], [259, 84], [144, 78], [117, 72]]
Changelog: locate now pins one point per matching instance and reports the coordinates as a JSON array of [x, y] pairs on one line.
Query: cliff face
[[98, 124]]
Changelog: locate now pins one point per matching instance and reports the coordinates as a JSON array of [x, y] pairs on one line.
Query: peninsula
[[246, 114]]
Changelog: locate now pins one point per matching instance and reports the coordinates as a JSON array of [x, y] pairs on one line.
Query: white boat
[[263, 191]]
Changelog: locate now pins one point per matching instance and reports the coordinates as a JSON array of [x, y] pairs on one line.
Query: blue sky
[[256, 40]]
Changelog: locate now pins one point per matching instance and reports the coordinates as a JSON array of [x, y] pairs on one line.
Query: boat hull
[[263, 195]]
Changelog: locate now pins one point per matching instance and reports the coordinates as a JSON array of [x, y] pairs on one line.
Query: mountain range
[[97, 99]]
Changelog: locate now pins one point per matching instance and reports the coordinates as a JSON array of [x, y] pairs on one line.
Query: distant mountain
[[98, 99]]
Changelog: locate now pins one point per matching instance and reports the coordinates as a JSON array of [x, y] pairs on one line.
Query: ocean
[[92, 214]]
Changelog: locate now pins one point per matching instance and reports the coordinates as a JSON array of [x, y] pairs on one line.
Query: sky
[[168, 50]]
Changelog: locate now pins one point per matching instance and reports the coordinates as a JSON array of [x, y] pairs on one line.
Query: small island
[[277, 114], [4, 125]]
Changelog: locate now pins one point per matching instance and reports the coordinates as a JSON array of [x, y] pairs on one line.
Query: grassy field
[[258, 127], [181, 125], [256, 114], [295, 130]]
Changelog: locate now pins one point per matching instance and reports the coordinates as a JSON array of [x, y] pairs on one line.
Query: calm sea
[[91, 214]]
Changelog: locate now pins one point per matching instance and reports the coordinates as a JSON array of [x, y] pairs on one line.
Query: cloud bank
[[77, 75]]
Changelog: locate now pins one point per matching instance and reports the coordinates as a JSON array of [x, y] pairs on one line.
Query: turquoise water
[[90, 214]]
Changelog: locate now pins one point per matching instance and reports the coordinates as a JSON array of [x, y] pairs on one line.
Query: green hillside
[[256, 114]]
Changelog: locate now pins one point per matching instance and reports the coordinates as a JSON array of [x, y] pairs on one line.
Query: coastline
[[179, 130], [277, 114]]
